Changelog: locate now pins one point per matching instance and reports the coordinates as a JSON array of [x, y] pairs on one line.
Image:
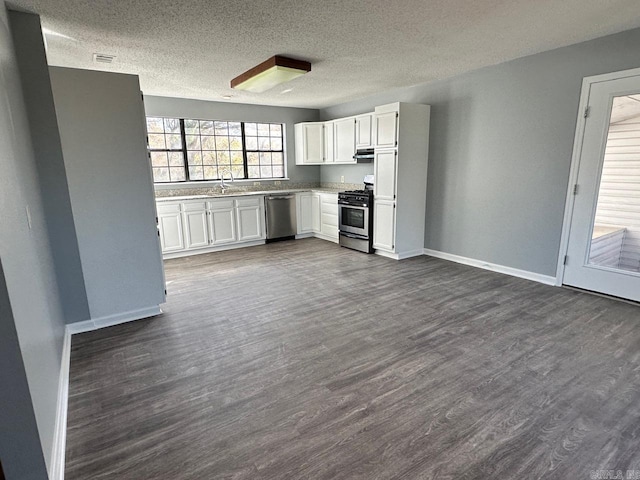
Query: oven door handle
[[351, 235]]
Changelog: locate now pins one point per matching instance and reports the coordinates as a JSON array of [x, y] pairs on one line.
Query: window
[[196, 150]]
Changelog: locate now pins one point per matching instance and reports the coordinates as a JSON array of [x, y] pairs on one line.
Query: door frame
[[587, 82]]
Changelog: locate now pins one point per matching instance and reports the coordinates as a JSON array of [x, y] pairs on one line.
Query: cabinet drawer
[[168, 208], [330, 208], [221, 204], [194, 206], [329, 219], [252, 201]]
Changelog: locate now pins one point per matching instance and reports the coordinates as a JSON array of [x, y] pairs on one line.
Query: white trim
[[56, 465], [327, 238], [514, 272], [399, 256], [384, 253], [111, 320], [575, 160], [217, 248]]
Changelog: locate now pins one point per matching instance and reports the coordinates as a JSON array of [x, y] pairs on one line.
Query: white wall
[[619, 197], [31, 287], [101, 121]]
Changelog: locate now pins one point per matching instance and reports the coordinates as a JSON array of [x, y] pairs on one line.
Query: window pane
[[254, 172], [206, 127], [263, 129], [224, 171], [250, 129], [265, 158], [264, 143], [265, 172], [210, 172], [276, 143], [176, 159], [276, 130], [208, 143], [221, 128], [238, 171], [222, 143], [194, 158], [172, 125], [209, 158], [177, 174], [191, 126], [235, 143], [252, 143], [193, 142], [195, 173], [278, 171], [252, 158], [277, 158], [154, 125], [158, 159], [236, 158], [156, 142], [234, 128], [160, 174], [174, 141], [223, 158]]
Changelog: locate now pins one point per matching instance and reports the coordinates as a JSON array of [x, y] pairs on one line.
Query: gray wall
[[500, 152], [31, 282], [200, 109], [34, 75], [101, 121]]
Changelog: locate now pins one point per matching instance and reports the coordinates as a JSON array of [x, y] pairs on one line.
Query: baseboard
[[56, 465], [326, 237], [111, 320], [219, 248], [383, 253], [514, 272]]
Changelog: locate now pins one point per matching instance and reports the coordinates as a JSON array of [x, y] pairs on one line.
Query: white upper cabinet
[[310, 143], [385, 129], [345, 140], [364, 132], [385, 169]]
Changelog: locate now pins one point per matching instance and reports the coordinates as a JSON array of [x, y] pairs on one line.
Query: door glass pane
[[353, 217], [615, 239]]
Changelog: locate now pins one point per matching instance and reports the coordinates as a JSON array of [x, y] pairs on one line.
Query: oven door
[[353, 219]]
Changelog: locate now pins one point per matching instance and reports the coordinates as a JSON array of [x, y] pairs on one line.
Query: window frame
[[185, 151]]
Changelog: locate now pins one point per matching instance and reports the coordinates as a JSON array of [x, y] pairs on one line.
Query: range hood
[[364, 155]]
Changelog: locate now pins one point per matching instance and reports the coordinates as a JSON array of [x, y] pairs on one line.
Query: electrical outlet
[[256, 184], [277, 182], [341, 178]]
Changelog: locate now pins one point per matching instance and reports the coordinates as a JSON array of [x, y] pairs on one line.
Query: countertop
[[244, 194]]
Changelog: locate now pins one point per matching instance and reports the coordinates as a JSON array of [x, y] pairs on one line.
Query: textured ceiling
[[194, 48]]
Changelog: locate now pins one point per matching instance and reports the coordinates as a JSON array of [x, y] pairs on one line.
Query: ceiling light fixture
[[287, 90], [227, 97], [270, 73]]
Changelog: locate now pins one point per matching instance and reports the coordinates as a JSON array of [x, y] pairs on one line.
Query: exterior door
[[603, 253]]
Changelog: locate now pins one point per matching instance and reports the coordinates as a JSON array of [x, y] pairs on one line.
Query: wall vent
[[103, 58]]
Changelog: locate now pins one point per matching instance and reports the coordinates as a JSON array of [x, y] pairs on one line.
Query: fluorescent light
[[270, 73]]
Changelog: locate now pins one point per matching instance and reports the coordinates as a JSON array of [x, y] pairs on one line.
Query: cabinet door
[[196, 228], [250, 217], [312, 143], [329, 215], [384, 225], [386, 130], [222, 225], [385, 168], [345, 140], [363, 131], [170, 226], [315, 212], [304, 208], [329, 143]]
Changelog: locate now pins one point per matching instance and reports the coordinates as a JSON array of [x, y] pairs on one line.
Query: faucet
[[223, 186]]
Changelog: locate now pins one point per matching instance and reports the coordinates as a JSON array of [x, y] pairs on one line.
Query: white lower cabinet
[[170, 228], [250, 214], [318, 214], [384, 225], [222, 222], [202, 226]]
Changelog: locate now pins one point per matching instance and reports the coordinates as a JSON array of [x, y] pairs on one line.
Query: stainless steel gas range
[[355, 219]]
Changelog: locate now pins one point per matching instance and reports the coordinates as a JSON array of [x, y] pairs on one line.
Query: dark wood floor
[[301, 360]]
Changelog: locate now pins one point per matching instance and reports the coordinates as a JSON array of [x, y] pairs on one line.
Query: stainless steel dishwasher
[[281, 216]]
